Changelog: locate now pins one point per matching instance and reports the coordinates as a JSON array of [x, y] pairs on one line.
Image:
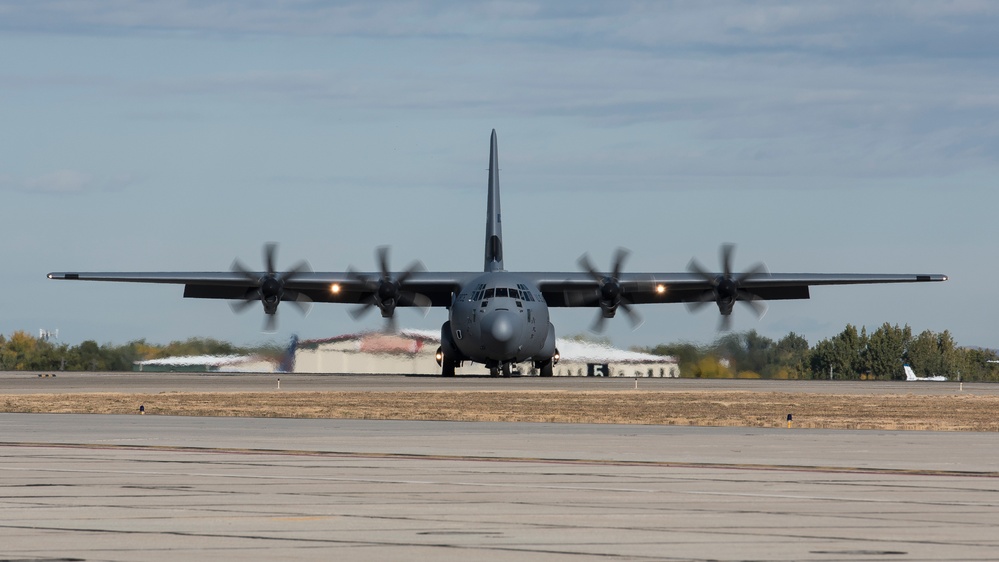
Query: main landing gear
[[447, 365], [545, 368]]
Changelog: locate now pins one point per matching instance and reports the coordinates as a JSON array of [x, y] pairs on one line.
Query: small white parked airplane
[[910, 375]]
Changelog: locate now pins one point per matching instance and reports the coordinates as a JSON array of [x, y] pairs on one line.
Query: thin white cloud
[[59, 181], [844, 27], [846, 89], [763, 116], [66, 182]]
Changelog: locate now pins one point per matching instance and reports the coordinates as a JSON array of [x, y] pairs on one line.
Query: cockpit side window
[[524, 293]]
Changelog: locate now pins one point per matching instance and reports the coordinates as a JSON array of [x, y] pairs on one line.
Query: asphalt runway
[[79, 487]]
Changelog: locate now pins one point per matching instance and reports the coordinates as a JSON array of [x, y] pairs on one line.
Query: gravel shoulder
[[961, 412]]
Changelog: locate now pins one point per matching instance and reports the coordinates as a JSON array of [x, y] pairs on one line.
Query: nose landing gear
[[504, 369]]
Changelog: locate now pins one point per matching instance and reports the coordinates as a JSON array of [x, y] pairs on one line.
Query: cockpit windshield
[[503, 292]]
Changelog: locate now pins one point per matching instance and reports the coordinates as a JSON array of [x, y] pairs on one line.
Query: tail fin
[[909, 374], [287, 364], [494, 227]]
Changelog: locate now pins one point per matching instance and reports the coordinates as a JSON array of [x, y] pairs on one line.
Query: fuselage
[[498, 318], [501, 318]]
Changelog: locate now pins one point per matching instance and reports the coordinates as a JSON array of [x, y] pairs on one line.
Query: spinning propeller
[[726, 289], [269, 287], [609, 295], [387, 292]]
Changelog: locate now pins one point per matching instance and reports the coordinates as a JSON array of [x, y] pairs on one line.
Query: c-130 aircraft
[[498, 317]]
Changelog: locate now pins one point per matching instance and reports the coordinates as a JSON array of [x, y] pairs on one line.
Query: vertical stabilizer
[[494, 227], [910, 375], [287, 364]]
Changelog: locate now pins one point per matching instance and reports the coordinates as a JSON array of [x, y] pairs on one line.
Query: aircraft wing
[[335, 287], [387, 290], [558, 288], [647, 288]]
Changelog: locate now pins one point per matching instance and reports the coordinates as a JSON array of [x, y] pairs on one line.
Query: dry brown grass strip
[[738, 408]]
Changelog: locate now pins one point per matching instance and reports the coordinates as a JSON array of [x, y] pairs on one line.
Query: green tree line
[[24, 352], [849, 355]]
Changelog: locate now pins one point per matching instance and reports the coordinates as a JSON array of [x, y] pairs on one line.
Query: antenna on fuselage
[[494, 227]]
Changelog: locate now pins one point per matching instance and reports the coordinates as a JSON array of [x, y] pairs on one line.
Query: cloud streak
[[851, 89], [66, 182], [879, 29]]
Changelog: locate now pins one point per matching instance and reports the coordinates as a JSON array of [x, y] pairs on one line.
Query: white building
[[412, 352], [580, 358]]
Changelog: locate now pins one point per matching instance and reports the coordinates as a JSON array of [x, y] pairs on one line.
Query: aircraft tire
[[447, 368], [547, 369]]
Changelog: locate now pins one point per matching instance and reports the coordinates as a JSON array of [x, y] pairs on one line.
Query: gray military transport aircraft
[[498, 317]]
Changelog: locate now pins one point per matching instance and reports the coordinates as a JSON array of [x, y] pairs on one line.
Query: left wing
[[613, 290], [647, 288]]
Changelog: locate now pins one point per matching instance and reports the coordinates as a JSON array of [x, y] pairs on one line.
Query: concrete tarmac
[[79, 487]]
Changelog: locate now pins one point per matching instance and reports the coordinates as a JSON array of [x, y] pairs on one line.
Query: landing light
[[335, 288], [660, 289]]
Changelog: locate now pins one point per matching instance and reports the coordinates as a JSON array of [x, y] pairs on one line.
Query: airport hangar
[[412, 352]]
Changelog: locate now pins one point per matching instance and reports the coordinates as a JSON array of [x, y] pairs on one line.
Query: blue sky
[[846, 137]]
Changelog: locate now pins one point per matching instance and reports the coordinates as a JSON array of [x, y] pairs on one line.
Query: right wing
[[333, 287]]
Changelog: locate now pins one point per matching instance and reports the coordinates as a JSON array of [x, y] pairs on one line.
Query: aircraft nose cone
[[500, 333], [502, 328]]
